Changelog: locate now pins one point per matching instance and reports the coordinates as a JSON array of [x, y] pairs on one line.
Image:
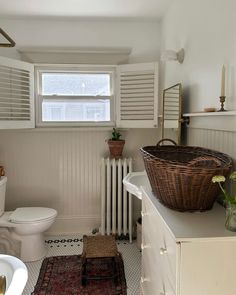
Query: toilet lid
[[31, 214]]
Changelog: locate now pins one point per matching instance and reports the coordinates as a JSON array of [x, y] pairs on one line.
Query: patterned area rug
[[61, 275]]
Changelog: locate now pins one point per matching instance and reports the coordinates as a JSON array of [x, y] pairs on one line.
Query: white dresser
[[186, 253]]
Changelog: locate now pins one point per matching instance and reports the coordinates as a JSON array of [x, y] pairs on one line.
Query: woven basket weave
[[180, 176]]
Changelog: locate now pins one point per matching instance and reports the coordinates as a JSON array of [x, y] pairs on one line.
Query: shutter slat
[[136, 109], [3, 118], [18, 79], [171, 110], [23, 112], [149, 91], [13, 103], [140, 103], [14, 71], [173, 92], [171, 99], [128, 101], [135, 86], [141, 78], [171, 103], [13, 89], [12, 108], [15, 83], [137, 114], [171, 117], [14, 76], [137, 81], [14, 98], [127, 74], [172, 114], [136, 95], [135, 117]]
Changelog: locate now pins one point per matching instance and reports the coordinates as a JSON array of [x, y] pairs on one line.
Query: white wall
[[206, 30], [142, 37], [60, 168]]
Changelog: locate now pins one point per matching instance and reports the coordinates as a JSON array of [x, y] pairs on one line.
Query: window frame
[[93, 69]]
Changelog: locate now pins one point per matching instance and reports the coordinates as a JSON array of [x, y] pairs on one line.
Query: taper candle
[[223, 81]]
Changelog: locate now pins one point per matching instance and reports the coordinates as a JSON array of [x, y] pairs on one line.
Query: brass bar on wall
[[5, 35]]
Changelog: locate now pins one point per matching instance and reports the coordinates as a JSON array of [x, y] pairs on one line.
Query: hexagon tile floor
[[70, 245]]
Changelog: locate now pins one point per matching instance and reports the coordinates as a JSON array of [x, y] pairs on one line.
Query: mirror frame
[[179, 99]]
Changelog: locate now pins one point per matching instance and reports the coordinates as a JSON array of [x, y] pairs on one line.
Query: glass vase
[[230, 221]]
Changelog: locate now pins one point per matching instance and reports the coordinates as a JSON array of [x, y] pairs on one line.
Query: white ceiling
[[130, 9]]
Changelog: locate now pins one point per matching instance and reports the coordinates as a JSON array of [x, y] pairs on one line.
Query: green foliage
[[115, 134], [229, 199]]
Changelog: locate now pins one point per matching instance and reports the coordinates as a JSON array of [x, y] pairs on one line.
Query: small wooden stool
[[98, 247]]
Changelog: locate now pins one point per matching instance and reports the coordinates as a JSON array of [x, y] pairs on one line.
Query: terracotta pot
[[116, 148]]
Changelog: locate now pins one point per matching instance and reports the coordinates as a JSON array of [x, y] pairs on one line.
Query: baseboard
[[74, 224]]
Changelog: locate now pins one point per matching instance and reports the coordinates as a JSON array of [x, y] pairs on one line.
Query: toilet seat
[[32, 214]]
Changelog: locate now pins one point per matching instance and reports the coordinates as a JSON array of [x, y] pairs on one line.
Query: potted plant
[[229, 200], [116, 144]]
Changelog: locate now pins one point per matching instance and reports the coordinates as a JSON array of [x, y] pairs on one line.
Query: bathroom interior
[[55, 169]]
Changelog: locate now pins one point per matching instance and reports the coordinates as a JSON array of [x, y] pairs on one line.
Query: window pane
[[76, 84], [71, 111]]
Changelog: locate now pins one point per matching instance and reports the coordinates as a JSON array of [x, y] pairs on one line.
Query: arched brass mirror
[[172, 108]]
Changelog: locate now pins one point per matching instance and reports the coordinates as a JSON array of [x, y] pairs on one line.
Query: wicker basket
[[180, 176]]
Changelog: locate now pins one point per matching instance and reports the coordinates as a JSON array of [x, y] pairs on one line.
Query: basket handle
[[166, 139], [202, 159]]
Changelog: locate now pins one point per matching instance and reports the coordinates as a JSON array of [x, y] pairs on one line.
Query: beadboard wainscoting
[[223, 141], [60, 169]]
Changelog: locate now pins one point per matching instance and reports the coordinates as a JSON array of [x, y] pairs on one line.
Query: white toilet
[[26, 225]]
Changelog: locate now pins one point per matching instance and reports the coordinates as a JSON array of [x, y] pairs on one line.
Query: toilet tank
[[3, 184]]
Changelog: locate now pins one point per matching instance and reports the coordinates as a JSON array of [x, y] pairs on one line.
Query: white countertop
[[133, 182], [186, 226]]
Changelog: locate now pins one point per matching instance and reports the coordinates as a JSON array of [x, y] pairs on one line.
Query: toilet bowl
[[27, 225]]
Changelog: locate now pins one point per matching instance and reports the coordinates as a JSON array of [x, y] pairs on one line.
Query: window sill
[[63, 129], [74, 128]]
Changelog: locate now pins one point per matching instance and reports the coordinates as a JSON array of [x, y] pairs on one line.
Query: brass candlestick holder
[[222, 101]]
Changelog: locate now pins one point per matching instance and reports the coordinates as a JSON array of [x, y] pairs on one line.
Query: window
[[78, 95], [82, 96]]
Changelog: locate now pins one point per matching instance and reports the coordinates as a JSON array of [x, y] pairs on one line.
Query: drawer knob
[[163, 251], [144, 214], [143, 280], [147, 246]]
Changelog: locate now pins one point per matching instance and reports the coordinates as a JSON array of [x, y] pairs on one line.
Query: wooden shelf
[[205, 114], [225, 121]]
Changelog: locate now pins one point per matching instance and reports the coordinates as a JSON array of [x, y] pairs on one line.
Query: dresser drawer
[[154, 281], [160, 259], [163, 246], [151, 271], [146, 278], [166, 289], [168, 253]]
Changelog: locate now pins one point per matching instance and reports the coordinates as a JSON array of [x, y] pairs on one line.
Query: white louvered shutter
[[137, 95], [16, 94]]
